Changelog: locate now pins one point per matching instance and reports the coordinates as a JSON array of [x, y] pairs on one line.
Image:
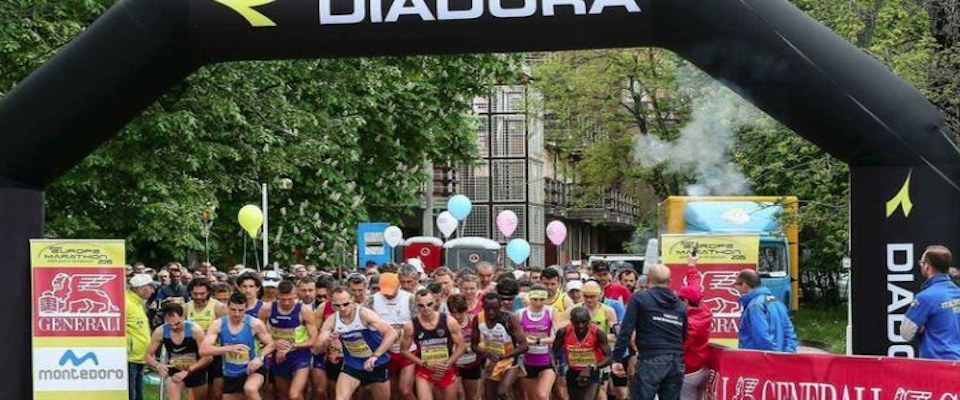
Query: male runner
[[249, 284], [202, 310], [439, 343], [503, 342], [328, 360], [468, 366], [409, 278], [397, 308], [560, 302], [538, 325], [271, 279], [358, 285], [588, 351], [222, 292], [238, 333], [485, 271], [294, 331], [470, 289], [605, 317], [365, 338], [307, 292], [185, 368]]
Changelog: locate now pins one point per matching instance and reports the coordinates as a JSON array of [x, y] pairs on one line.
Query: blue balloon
[[459, 206], [518, 250]]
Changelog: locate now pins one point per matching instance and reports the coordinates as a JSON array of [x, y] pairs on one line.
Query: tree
[[351, 135]]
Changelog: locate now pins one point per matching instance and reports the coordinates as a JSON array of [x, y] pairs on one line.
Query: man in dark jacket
[[659, 319]]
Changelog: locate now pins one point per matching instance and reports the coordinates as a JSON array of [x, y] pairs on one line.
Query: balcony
[[571, 201]]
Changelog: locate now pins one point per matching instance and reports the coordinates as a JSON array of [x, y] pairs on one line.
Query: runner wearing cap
[[439, 344], [294, 331], [575, 292], [185, 368], [238, 334], [588, 352], [468, 365], [140, 290], [271, 279], [503, 341], [538, 325], [366, 338], [397, 308]]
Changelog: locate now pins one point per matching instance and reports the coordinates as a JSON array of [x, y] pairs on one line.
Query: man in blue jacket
[[764, 323], [934, 315]]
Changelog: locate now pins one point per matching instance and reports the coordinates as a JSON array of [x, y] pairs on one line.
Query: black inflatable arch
[[767, 50]]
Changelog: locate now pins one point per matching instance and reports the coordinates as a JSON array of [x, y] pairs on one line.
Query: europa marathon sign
[[79, 339], [719, 259]]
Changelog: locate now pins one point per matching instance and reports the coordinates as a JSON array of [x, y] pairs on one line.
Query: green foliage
[[603, 99], [823, 327], [351, 135]]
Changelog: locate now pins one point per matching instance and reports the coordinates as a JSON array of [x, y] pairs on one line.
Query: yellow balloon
[[251, 218]]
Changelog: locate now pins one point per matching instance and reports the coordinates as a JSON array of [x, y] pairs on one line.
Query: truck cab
[[778, 261]]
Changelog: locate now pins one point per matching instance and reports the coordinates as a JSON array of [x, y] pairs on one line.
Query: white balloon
[[393, 236], [447, 223]]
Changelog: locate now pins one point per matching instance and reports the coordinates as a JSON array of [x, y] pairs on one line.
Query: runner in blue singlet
[[243, 372]]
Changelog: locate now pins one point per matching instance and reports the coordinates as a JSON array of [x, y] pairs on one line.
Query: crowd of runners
[[389, 332]]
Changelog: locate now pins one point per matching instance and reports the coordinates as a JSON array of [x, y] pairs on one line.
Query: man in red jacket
[[696, 346]]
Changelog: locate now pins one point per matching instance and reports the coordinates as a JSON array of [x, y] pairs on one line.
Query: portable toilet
[[427, 248], [465, 253]]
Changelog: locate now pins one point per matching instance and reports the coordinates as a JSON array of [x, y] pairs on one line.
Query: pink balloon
[[507, 222], [556, 232]]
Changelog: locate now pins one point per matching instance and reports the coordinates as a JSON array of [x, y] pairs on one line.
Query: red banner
[[754, 375]]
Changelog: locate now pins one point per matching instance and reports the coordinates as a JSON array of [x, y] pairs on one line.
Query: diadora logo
[[71, 357], [902, 199]]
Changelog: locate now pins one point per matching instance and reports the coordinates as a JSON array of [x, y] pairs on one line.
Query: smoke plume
[[703, 149]]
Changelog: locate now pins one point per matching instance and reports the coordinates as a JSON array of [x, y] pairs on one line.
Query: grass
[[820, 327]]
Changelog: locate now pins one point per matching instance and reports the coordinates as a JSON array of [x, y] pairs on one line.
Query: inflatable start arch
[[904, 164]]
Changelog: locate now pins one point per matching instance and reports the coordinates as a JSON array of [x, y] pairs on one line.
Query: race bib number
[[496, 348], [237, 357], [183, 361], [283, 334], [435, 353], [467, 358], [581, 357], [395, 347], [539, 349], [357, 348]]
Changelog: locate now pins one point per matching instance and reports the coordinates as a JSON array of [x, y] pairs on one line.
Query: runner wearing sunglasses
[[439, 345], [366, 338]]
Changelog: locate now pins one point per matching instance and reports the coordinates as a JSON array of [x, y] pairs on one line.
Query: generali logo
[[78, 302], [78, 295]]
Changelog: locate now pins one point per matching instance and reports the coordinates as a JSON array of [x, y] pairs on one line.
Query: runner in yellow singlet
[[202, 310]]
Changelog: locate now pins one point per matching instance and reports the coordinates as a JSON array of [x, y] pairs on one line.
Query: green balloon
[[251, 218]]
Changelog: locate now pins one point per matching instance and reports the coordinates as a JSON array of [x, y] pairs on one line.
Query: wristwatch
[[538, 341]]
